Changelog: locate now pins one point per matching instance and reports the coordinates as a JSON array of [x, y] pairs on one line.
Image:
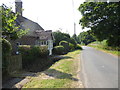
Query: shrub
[[24, 48], [59, 50], [71, 46], [78, 47], [43, 51], [72, 41], [65, 44], [6, 50], [27, 56], [32, 53], [6, 46]]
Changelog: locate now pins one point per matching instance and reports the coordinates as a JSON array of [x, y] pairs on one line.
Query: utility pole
[[74, 18], [74, 35]]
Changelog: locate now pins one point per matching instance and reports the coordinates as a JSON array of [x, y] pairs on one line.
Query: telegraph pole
[[74, 18], [74, 35]]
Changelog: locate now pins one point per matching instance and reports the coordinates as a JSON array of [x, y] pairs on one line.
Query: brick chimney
[[18, 7]]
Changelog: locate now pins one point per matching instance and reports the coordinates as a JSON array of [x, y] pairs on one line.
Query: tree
[[9, 27], [75, 37], [103, 19], [86, 37], [59, 36]]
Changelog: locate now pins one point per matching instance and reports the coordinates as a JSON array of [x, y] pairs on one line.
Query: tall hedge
[[32, 53], [6, 46], [59, 50], [71, 47], [65, 44], [6, 50], [78, 47]]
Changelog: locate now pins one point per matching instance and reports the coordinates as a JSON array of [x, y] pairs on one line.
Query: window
[[43, 43]]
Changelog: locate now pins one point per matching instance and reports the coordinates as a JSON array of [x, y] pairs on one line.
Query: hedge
[[65, 44], [6, 51], [59, 50], [78, 47], [6, 46], [71, 46], [32, 53]]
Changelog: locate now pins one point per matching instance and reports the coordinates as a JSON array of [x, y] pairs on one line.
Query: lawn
[[62, 74]]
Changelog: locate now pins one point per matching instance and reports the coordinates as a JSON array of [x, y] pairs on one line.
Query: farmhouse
[[36, 34]]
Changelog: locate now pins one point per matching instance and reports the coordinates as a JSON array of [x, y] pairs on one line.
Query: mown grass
[[62, 74]]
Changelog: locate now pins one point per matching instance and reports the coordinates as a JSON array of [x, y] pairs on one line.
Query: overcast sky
[[52, 14]]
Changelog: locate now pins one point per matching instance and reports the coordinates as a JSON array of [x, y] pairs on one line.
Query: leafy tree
[[103, 19], [75, 38], [10, 30], [85, 38], [9, 27], [59, 36]]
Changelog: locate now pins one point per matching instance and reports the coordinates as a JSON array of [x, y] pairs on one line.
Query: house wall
[[25, 40]]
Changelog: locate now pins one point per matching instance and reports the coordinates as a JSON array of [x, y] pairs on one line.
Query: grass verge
[[62, 74], [102, 48]]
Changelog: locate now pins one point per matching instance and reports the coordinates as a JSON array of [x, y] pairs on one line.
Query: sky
[[52, 14]]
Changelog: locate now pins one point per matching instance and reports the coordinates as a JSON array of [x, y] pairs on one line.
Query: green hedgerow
[[65, 44], [78, 47], [59, 50]]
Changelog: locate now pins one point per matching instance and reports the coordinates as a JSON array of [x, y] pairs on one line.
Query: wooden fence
[[14, 63]]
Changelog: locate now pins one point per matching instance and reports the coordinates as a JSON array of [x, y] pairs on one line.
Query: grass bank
[[62, 74], [106, 49]]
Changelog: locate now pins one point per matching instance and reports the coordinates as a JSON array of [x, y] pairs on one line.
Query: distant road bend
[[99, 69]]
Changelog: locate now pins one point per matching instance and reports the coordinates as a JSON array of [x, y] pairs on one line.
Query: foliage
[[9, 30], [103, 19], [75, 37], [71, 47], [65, 44], [31, 53], [6, 50], [6, 46], [103, 46], [59, 36], [72, 40], [59, 50], [85, 38], [43, 51], [78, 47], [9, 27]]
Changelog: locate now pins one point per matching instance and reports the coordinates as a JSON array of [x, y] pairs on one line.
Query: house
[[36, 34]]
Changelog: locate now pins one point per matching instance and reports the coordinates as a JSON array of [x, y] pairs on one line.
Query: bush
[[6, 46], [59, 50], [6, 50], [78, 47], [72, 41], [43, 51], [71, 46], [65, 44], [32, 53], [24, 48]]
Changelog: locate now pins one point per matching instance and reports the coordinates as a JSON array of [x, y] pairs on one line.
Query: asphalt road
[[99, 69]]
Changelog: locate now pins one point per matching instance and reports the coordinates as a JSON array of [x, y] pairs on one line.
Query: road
[[99, 69]]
